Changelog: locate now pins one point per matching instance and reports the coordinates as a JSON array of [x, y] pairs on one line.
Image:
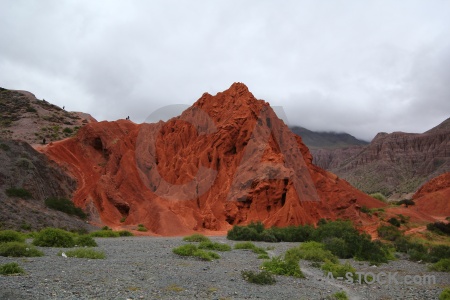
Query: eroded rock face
[[226, 160], [392, 163], [433, 197]]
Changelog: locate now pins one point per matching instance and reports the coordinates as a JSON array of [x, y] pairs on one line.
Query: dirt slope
[[434, 197]]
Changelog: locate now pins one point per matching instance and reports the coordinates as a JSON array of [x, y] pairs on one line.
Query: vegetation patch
[[66, 206], [378, 196], [337, 269], [279, 266], [442, 265], [125, 233], [439, 227], [193, 250], [17, 249], [11, 236], [257, 232], [338, 296], [11, 269], [85, 241], [312, 251], [445, 295], [250, 246], [261, 278], [19, 193], [142, 228], [54, 237], [196, 238], [208, 245], [84, 253], [105, 233]]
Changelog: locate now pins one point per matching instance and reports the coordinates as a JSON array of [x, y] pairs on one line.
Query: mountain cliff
[[392, 163], [226, 160]]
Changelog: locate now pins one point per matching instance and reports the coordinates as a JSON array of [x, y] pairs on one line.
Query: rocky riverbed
[[146, 268]]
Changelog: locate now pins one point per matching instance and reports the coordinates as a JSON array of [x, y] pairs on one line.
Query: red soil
[[433, 198]]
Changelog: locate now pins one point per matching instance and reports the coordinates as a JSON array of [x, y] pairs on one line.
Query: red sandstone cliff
[[226, 160]]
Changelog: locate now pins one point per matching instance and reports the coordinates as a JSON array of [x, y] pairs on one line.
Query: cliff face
[[397, 162], [226, 160], [433, 197]]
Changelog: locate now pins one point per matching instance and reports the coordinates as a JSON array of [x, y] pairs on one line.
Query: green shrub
[[17, 249], [84, 253], [256, 232], [437, 252], [378, 196], [338, 247], [196, 238], [105, 234], [338, 296], [106, 228], [85, 241], [439, 227], [18, 192], [66, 206], [389, 233], [261, 278], [243, 233], [312, 251], [394, 221], [263, 256], [214, 246], [185, 250], [54, 237], [123, 219], [337, 269], [442, 265], [279, 266], [192, 250], [405, 202], [445, 295], [142, 228], [11, 269], [365, 210], [68, 130], [250, 246], [125, 233], [11, 236]]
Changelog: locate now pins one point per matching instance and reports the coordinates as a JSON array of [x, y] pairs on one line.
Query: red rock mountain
[[226, 160], [433, 197], [393, 163]]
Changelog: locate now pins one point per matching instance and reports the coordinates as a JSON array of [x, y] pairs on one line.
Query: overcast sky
[[356, 66]]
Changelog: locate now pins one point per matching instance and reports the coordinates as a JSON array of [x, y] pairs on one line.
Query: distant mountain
[[326, 140], [23, 117], [392, 163]]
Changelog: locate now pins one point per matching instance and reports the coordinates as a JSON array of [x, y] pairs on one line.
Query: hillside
[[326, 140], [26, 169], [31, 120], [226, 160], [394, 163]]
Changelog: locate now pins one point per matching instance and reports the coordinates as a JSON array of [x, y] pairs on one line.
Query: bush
[[263, 256], [54, 237], [196, 238], [250, 246], [378, 196], [11, 269], [256, 232], [84, 253], [338, 247], [85, 241], [4, 147], [214, 246], [439, 227], [442, 265], [18, 192], [192, 250], [405, 202], [279, 266], [262, 278], [105, 234], [66, 206], [394, 221], [11, 236], [337, 269], [17, 249], [312, 251], [338, 296], [125, 233], [445, 295], [68, 130], [389, 233], [142, 228]]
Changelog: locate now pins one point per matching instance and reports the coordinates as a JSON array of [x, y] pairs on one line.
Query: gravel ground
[[146, 268]]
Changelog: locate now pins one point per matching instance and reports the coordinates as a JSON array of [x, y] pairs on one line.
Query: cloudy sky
[[356, 66]]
